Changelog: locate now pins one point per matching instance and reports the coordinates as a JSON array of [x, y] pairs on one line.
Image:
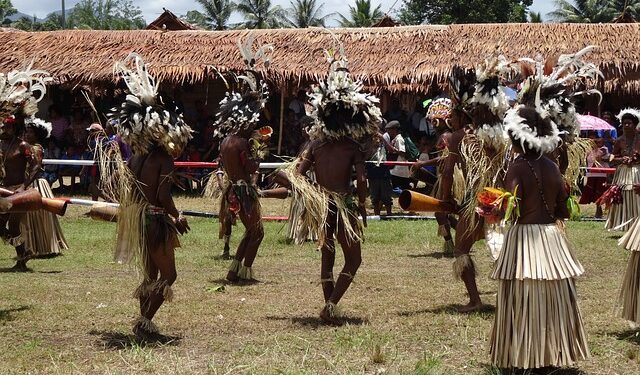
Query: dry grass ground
[[73, 314]]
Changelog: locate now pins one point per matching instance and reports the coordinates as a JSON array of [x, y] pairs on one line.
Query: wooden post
[[282, 92]]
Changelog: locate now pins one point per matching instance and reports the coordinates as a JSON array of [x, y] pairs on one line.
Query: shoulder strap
[[540, 190]]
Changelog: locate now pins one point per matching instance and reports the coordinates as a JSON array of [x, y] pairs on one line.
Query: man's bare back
[[236, 157], [333, 162], [153, 172], [549, 178]]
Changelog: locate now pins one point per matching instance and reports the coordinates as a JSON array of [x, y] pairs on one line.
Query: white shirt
[[400, 170]]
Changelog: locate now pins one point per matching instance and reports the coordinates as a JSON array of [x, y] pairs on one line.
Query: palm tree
[[259, 14], [625, 7], [217, 12], [361, 15], [535, 17], [582, 11], [305, 13]]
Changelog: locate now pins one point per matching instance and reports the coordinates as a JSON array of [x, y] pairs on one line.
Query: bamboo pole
[[282, 91]]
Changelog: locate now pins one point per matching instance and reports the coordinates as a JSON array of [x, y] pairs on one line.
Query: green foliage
[[195, 17], [6, 10], [216, 13], [593, 11], [106, 15], [361, 15], [428, 366], [535, 17], [52, 22], [305, 13], [260, 14], [414, 12]]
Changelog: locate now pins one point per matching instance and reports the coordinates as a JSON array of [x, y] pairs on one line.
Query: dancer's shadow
[[435, 255], [117, 340], [615, 237], [315, 322], [6, 315], [14, 270], [226, 282], [490, 369], [631, 335], [451, 309]]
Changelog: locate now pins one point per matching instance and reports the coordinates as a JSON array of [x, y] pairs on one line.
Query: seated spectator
[[78, 127], [292, 134], [379, 180], [596, 183], [297, 104]]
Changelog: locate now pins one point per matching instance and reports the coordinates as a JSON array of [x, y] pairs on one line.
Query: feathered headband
[[552, 85], [440, 109], [516, 126], [340, 108], [241, 110], [629, 111], [142, 119], [21, 90], [41, 126]]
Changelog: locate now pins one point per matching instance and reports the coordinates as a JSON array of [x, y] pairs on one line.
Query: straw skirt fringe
[[538, 252], [538, 321], [41, 229], [298, 230], [625, 176], [537, 324], [630, 290]]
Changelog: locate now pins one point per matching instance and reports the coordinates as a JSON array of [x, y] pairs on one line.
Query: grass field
[[73, 314]]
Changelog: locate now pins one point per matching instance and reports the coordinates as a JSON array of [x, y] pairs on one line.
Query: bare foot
[[21, 266], [471, 307], [328, 316]]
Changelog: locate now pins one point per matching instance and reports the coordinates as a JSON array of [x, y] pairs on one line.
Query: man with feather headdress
[[241, 150], [148, 222], [345, 119], [20, 91]]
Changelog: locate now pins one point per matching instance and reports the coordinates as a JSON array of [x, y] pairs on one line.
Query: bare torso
[[546, 185], [236, 158], [16, 155], [333, 163], [626, 146], [147, 170]]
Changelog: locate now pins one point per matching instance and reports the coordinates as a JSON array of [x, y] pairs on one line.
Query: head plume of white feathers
[[629, 111], [340, 108], [241, 110], [42, 128], [551, 86], [517, 127], [21, 90], [142, 119]]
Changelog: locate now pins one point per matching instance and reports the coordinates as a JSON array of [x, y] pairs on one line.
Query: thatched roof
[[168, 21], [398, 58]]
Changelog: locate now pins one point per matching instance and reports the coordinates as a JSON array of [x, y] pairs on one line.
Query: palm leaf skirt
[[631, 282], [629, 209], [537, 321], [41, 229]]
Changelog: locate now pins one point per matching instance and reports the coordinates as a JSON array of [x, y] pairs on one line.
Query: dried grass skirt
[[630, 290], [629, 209], [537, 321], [41, 229], [298, 231]]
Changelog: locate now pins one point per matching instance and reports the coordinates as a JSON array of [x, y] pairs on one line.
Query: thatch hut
[[395, 60]]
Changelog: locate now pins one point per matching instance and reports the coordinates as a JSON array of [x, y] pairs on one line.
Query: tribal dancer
[[41, 229], [345, 118], [537, 320], [624, 202], [240, 153], [148, 219], [439, 113], [20, 91]]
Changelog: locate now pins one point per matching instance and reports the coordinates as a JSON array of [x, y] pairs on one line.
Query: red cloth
[[594, 188]]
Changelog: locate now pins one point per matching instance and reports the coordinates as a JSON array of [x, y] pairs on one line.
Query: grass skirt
[[41, 229], [537, 322], [625, 176], [630, 290]]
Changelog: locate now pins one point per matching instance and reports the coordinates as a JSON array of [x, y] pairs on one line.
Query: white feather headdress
[[629, 111], [241, 110], [516, 126], [340, 108], [142, 118], [43, 127], [21, 90]]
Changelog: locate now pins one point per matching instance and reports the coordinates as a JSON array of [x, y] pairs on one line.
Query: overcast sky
[[153, 8]]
